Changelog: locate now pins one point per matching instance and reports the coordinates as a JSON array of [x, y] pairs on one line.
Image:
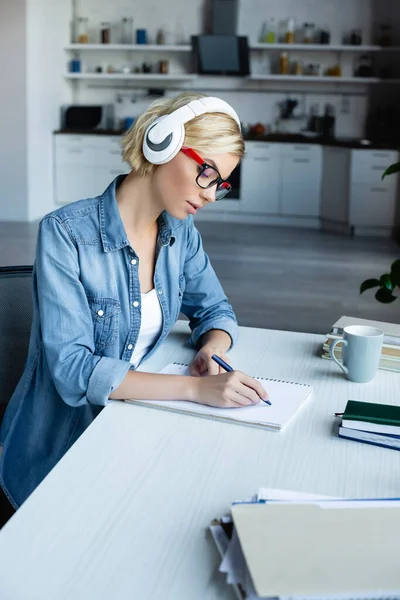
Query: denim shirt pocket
[[181, 289], [105, 315]]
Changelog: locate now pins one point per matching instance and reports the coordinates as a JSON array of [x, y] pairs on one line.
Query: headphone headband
[[164, 138]]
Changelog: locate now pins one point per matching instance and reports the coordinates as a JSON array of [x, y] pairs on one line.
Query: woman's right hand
[[227, 390]]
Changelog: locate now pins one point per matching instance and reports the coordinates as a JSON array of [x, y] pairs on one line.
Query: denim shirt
[[86, 296]]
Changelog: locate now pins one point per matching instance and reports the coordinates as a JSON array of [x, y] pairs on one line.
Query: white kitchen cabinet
[[372, 205], [73, 182], [301, 185], [84, 165], [260, 179], [281, 179], [354, 197]]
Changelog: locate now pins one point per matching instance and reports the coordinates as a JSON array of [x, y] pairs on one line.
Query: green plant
[[388, 281]]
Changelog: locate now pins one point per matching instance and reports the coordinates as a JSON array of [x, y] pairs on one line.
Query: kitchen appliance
[[224, 17], [221, 54], [87, 117]]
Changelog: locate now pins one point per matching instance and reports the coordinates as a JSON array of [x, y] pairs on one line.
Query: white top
[[150, 326], [125, 513]]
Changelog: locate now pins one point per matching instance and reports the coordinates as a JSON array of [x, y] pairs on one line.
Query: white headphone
[[164, 137]]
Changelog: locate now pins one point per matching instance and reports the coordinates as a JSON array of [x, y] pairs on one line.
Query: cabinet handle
[[302, 148], [381, 154], [115, 172], [263, 158], [301, 160], [115, 152], [75, 151], [378, 169], [376, 189]]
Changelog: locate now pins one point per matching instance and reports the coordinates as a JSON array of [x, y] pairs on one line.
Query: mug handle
[[333, 357]]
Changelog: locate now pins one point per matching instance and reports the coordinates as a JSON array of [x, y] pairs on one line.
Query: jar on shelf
[[82, 36], [385, 35], [290, 31], [105, 32], [163, 66], [127, 30], [356, 37], [308, 33], [75, 65], [324, 36], [284, 63], [298, 68], [160, 37]]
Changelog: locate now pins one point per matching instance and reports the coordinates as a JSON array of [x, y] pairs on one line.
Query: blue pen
[[228, 368]]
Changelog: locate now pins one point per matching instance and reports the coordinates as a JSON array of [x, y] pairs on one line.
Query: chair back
[[16, 313]]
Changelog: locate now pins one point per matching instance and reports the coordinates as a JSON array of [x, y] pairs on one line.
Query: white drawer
[[75, 155], [254, 149], [371, 170], [109, 157], [108, 141], [375, 156], [372, 205], [301, 150], [74, 141]]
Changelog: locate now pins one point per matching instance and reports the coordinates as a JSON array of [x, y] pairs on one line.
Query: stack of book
[[390, 360], [377, 424], [284, 545]]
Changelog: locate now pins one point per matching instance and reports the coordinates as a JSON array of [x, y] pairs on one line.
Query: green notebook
[[370, 416]]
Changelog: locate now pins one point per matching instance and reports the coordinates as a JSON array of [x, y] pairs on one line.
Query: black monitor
[[221, 54]]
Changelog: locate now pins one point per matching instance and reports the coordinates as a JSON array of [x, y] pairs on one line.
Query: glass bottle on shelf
[[82, 36], [284, 63], [263, 34], [308, 33], [290, 30], [272, 30], [105, 32], [127, 30]]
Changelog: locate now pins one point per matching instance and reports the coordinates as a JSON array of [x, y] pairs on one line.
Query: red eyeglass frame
[[221, 183]]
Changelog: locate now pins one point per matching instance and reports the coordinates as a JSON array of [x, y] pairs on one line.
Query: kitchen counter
[[352, 143], [288, 138], [90, 131]]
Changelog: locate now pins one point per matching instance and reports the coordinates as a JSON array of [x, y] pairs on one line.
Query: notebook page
[[285, 398]]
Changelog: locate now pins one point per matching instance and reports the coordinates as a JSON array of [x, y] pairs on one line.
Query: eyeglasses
[[208, 175]]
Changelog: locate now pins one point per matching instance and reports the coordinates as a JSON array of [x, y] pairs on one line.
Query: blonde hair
[[210, 133]]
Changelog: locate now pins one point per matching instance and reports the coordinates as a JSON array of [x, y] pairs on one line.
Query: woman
[[111, 276]]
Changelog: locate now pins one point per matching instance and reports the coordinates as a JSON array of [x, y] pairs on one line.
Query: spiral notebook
[[286, 398]]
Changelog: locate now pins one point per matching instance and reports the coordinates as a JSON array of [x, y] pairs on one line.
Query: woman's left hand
[[203, 364]]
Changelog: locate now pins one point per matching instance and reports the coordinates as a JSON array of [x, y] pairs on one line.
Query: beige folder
[[306, 550]]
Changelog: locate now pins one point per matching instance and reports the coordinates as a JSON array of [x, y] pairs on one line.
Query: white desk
[[124, 515]]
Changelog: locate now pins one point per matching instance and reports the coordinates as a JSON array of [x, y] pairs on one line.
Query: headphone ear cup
[[161, 153]]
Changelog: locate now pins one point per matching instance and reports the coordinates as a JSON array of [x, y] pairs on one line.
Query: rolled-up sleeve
[[80, 376], [204, 301]]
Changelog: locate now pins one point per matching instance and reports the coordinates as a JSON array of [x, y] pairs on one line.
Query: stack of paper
[[390, 359], [291, 546], [371, 423]]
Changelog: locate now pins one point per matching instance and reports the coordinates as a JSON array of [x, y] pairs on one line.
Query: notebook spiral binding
[[260, 378]]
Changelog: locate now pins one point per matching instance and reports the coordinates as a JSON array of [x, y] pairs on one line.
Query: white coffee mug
[[361, 352]]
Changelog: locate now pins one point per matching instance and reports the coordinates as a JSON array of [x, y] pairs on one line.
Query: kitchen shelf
[[322, 79], [131, 47], [325, 48], [132, 76]]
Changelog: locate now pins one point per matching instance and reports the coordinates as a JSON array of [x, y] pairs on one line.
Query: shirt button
[[130, 346], [133, 261], [135, 304], [100, 313], [160, 292]]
